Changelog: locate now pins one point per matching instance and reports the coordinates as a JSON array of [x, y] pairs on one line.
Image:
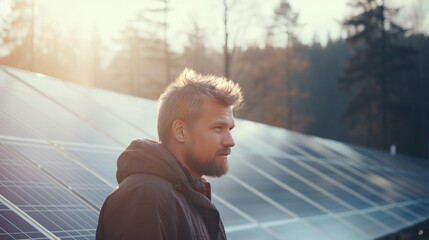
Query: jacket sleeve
[[142, 221]]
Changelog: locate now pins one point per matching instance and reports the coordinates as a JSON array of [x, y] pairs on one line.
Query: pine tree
[[282, 33], [377, 66]]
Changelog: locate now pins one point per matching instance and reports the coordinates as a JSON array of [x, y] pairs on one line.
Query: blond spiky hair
[[183, 98]]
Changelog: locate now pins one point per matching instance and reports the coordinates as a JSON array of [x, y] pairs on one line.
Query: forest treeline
[[369, 88]]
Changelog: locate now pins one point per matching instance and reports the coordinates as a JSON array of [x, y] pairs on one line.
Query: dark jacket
[[156, 200]]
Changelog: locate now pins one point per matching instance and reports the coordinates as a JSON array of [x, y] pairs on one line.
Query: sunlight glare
[[87, 16]]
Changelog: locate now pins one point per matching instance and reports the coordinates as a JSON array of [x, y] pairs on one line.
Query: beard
[[213, 168]]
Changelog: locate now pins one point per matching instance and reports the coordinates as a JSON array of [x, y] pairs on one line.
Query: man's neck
[[179, 155]]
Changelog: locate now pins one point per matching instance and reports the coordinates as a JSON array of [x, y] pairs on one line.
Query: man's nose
[[228, 140]]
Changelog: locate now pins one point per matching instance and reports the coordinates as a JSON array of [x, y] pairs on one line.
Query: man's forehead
[[213, 111], [216, 108]]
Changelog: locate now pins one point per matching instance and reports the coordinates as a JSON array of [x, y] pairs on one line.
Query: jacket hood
[[146, 156]]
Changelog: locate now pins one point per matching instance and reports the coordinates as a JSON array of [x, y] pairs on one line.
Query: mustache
[[224, 151]]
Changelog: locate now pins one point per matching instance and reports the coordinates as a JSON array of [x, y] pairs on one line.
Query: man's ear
[[178, 130]]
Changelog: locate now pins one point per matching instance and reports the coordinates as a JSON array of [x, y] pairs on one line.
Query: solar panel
[[15, 227], [66, 171], [92, 108], [59, 143], [40, 196], [46, 118]]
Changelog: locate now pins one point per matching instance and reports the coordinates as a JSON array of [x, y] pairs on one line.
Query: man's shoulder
[[146, 180], [145, 188], [144, 194]]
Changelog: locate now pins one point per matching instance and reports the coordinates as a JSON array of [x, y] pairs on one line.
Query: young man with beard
[[161, 192]]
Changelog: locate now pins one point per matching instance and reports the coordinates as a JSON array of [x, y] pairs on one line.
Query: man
[[161, 192]]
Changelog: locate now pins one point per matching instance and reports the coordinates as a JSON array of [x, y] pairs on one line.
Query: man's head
[[195, 117]]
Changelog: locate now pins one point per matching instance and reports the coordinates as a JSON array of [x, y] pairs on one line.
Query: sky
[[249, 18]]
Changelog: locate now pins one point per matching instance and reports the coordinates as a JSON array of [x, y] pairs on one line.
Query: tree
[[32, 40], [150, 18], [282, 33], [198, 56], [261, 75], [227, 56], [16, 38], [237, 17], [377, 66], [418, 16], [323, 102]]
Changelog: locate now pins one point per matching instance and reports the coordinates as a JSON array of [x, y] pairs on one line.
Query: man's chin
[[221, 168], [216, 168]]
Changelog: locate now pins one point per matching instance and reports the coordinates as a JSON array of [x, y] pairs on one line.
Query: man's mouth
[[224, 152]]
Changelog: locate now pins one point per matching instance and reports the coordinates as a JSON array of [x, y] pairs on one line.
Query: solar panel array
[[59, 143]]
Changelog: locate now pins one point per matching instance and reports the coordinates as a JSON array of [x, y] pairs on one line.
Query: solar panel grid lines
[[382, 208], [345, 153], [298, 166], [267, 224], [357, 154], [59, 221], [372, 228], [279, 191], [7, 83], [311, 201], [244, 136], [88, 169], [345, 173], [24, 228], [417, 183], [79, 101], [46, 201], [119, 114], [76, 114], [410, 189], [286, 187], [300, 230], [390, 183], [421, 209], [335, 197], [397, 165], [316, 149], [49, 120], [263, 196], [65, 146], [347, 176], [309, 156], [100, 162], [67, 171], [337, 228], [374, 182], [13, 128], [384, 168], [243, 227], [370, 203], [327, 196], [247, 201], [385, 159], [400, 209]]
